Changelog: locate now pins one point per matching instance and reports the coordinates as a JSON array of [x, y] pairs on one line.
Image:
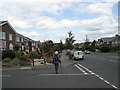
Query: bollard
[[44, 61], [33, 62]]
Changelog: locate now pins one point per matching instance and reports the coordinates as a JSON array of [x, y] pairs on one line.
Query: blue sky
[[42, 20]]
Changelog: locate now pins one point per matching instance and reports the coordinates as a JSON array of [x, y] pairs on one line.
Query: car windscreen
[[78, 53]]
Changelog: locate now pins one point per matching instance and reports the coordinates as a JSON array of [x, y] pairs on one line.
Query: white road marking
[[61, 74], [25, 67], [5, 75], [80, 69], [101, 78]]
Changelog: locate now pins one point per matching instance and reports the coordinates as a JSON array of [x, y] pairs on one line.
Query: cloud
[[37, 15], [33, 34], [96, 9]]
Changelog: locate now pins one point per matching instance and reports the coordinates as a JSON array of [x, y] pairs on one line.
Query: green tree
[[69, 41], [61, 45], [16, 47], [47, 48]]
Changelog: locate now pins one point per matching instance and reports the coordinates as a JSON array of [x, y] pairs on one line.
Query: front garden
[[21, 58]]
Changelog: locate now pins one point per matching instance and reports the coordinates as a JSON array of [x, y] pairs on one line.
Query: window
[[10, 36], [11, 46], [26, 43], [2, 35], [21, 39], [4, 43], [32, 44], [18, 39]]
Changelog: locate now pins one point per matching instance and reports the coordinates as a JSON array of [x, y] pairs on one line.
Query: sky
[[53, 19]]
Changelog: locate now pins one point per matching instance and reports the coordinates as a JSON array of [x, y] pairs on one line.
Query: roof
[[116, 38], [107, 39], [3, 22], [6, 22]]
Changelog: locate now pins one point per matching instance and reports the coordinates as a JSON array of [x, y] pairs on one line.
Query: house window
[[32, 44], [18, 39], [26, 43], [10, 36], [21, 39], [2, 35], [4, 43], [11, 46]]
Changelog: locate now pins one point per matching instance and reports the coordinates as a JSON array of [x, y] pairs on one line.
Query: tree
[[61, 45], [16, 47], [47, 47], [69, 41]]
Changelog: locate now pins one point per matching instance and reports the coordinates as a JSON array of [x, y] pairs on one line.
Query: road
[[97, 70]]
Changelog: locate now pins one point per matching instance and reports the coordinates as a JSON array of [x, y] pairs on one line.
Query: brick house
[[7, 36]]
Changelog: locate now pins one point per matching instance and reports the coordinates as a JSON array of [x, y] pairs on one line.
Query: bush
[[24, 60], [113, 48], [16, 47], [20, 53], [105, 49], [15, 61], [7, 60], [34, 54], [8, 54]]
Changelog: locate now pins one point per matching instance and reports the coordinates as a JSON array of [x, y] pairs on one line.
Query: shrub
[[8, 54], [105, 49], [7, 60], [15, 61], [20, 53], [33, 54], [16, 47], [24, 60], [49, 59], [113, 48]]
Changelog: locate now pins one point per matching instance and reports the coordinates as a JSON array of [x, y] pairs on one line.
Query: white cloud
[[24, 15], [96, 9], [33, 34]]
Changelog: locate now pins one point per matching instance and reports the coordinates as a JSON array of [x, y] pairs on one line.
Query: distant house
[[109, 41], [104, 41], [116, 40], [7, 36]]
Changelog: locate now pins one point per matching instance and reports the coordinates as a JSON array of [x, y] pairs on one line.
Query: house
[[7, 36], [110, 41], [20, 41], [29, 45], [104, 41], [116, 40]]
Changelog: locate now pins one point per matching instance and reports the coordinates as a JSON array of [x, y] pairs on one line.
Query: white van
[[78, 55]]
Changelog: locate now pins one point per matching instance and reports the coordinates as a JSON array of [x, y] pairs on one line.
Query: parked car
[[68, 52], [78, 55], [87, 52]]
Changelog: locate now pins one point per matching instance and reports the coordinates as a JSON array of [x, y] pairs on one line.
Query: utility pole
[[87, 40]]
